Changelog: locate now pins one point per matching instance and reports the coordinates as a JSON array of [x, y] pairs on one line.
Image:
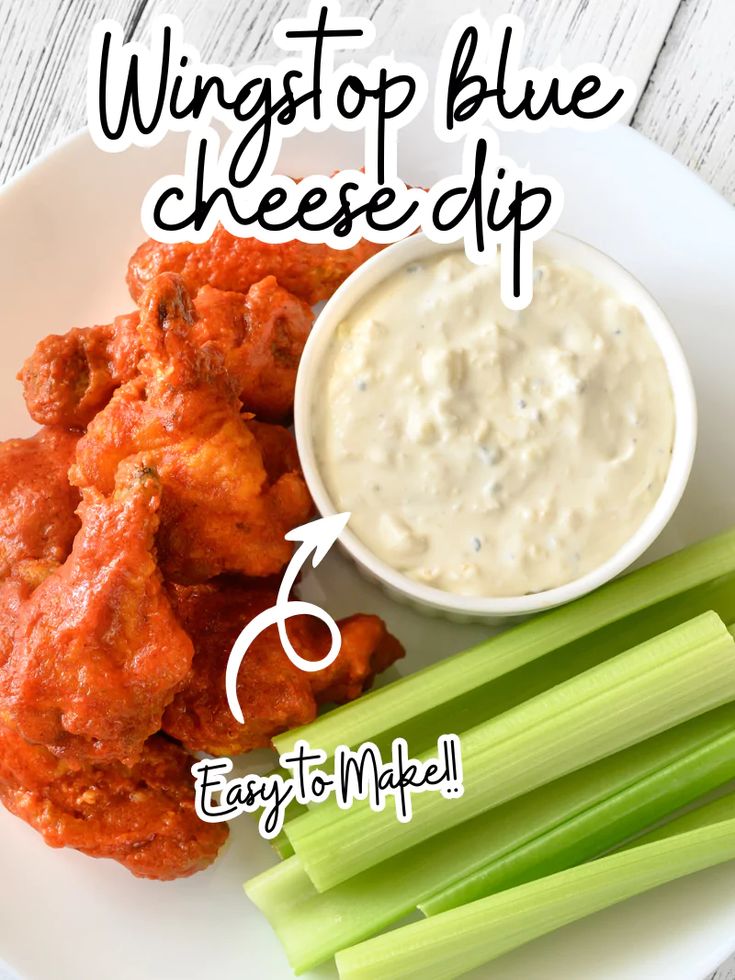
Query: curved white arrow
[[316, 537]]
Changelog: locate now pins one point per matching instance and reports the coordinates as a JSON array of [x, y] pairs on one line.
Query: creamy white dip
[[490, 452]]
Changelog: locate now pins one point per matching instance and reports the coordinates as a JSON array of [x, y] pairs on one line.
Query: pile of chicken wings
[[140, 530]]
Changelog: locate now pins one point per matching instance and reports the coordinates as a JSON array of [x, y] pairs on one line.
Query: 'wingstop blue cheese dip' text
[[490, 452]]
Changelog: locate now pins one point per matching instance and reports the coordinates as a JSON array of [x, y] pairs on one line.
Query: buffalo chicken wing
[[261, 335], [141, 815], [37, 503], [311, 272], [220, 512], [96, 651], [274, 694], [69, 377]]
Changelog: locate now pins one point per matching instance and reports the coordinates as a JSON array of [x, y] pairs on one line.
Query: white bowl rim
[[576, 252]]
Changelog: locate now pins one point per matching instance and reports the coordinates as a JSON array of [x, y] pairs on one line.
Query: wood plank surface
[[688, 107], [44, 43]]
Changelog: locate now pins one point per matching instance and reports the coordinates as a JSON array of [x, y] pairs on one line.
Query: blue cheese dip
[[490, 452]]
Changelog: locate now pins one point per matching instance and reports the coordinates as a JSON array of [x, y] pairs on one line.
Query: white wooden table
[[681, 53]]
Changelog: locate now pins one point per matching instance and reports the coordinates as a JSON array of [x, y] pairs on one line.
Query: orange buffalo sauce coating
[[37, 502], [275, 694], [95, 653], [311, 272], [141, 815], [180, 477]]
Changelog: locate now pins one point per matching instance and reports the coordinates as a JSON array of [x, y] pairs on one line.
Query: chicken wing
[[142, 816], [311, 272], [262, 335], [220, 512], [37, 503], [274, 694], [277, 448], [367, 650], [69, 377], [97, 652]]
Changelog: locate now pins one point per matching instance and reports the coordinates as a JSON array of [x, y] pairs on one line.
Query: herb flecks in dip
[[490, 452]]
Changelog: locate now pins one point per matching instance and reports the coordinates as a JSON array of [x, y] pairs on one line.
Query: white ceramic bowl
[[467, 608]]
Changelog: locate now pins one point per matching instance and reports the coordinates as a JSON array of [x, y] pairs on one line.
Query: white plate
[[68, 227]]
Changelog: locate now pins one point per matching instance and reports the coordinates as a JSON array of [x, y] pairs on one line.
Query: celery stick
[[520, 685], [598, 829], [608, 802], [646, 690], [454, 942], [281, 890], [509, 690], [393, 705], [714, 812], [282, 846]]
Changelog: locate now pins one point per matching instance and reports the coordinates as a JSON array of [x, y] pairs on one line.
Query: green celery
[[520, 685], [656, 685], [577, 817], [454, 942], [509, 690], [716, 811], [282, 845], [599, 829], [392, 706]]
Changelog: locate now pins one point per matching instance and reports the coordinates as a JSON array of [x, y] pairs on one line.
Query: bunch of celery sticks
[[581, 729]]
